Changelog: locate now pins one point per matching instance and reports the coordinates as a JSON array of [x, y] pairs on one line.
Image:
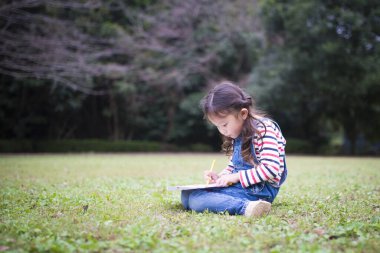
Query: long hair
[[227, 98]]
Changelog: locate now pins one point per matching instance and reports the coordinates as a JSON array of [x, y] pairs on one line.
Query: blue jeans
[[233, 199]]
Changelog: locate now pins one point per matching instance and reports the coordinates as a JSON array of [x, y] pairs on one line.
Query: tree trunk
[[352, 135], [170, 114], [114, 117]]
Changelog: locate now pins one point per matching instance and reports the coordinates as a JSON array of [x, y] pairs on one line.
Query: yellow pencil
[[212, 166]]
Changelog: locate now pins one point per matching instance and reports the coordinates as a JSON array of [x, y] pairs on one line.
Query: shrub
[[298, 146], [62, 146]]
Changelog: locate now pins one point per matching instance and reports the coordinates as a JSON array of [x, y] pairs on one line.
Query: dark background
[[128, 75]]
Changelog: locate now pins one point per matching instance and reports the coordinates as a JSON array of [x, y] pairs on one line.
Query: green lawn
[[119, 203]]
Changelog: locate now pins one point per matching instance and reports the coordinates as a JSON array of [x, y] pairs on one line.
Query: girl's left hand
[[227, 180]]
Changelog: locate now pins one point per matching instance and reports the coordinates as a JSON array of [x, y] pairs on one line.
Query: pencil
[[212, 166]]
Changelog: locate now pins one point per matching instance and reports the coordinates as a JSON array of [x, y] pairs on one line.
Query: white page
[[191, 187]]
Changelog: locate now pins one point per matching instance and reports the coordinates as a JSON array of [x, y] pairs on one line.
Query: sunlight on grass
[[119, 203]]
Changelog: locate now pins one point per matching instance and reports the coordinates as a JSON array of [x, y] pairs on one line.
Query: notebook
[[191, 187]]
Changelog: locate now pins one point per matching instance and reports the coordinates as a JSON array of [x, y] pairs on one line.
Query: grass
[[119, 203]]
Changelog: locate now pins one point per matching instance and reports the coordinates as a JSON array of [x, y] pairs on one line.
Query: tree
[[143, 59], [184, 45], [332, 52], [41, 40]]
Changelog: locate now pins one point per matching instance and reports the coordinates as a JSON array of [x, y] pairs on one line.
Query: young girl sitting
[[251, 181]]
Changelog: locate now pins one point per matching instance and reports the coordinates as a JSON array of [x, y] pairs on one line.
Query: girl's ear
[[244, 113]]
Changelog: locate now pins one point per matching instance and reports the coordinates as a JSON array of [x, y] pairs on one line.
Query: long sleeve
[[269, 150], [228, 170]]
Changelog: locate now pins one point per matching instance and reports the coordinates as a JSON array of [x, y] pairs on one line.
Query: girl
[[251, 181]]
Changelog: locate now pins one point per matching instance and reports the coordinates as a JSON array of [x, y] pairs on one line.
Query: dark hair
[[227, 98]]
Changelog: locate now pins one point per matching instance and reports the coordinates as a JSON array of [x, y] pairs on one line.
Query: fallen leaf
[[57, 215], [3, 248], [319, 231]]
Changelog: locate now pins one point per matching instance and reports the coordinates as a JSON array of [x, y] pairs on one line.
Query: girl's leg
[[201, 200], [231, 199], [263, 191]]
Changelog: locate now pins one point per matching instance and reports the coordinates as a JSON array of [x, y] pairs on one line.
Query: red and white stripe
[[270, 152]]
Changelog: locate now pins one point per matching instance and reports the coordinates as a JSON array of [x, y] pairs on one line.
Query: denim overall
[[233, 199]]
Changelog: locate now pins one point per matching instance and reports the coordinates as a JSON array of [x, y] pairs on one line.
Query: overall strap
[[254, 153], [284, 174]]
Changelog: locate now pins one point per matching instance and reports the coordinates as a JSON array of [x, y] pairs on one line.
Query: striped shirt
[[270, 153]]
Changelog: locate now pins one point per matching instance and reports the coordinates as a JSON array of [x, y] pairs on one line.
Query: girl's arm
[[213, 177], [226, 177], [271, 147], [228, 169]]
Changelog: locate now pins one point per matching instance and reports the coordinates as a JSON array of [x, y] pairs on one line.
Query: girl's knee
[[196, 201], [197, 205], [185, 199]]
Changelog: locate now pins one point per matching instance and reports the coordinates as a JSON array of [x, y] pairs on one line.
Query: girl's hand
[[228, 179], [210, 176]]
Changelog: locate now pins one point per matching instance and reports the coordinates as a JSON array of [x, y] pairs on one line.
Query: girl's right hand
[[210, 176]]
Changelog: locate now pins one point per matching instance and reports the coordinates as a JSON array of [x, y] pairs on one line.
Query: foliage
[[95, 145], [328, 61], [133, 70], [299, 146], [143, 59], [119, 203], [67, 145]]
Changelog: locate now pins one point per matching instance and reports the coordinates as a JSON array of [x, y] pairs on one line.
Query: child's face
[[230, 125]]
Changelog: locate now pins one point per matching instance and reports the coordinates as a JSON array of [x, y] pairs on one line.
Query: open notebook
[[191, 187]]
